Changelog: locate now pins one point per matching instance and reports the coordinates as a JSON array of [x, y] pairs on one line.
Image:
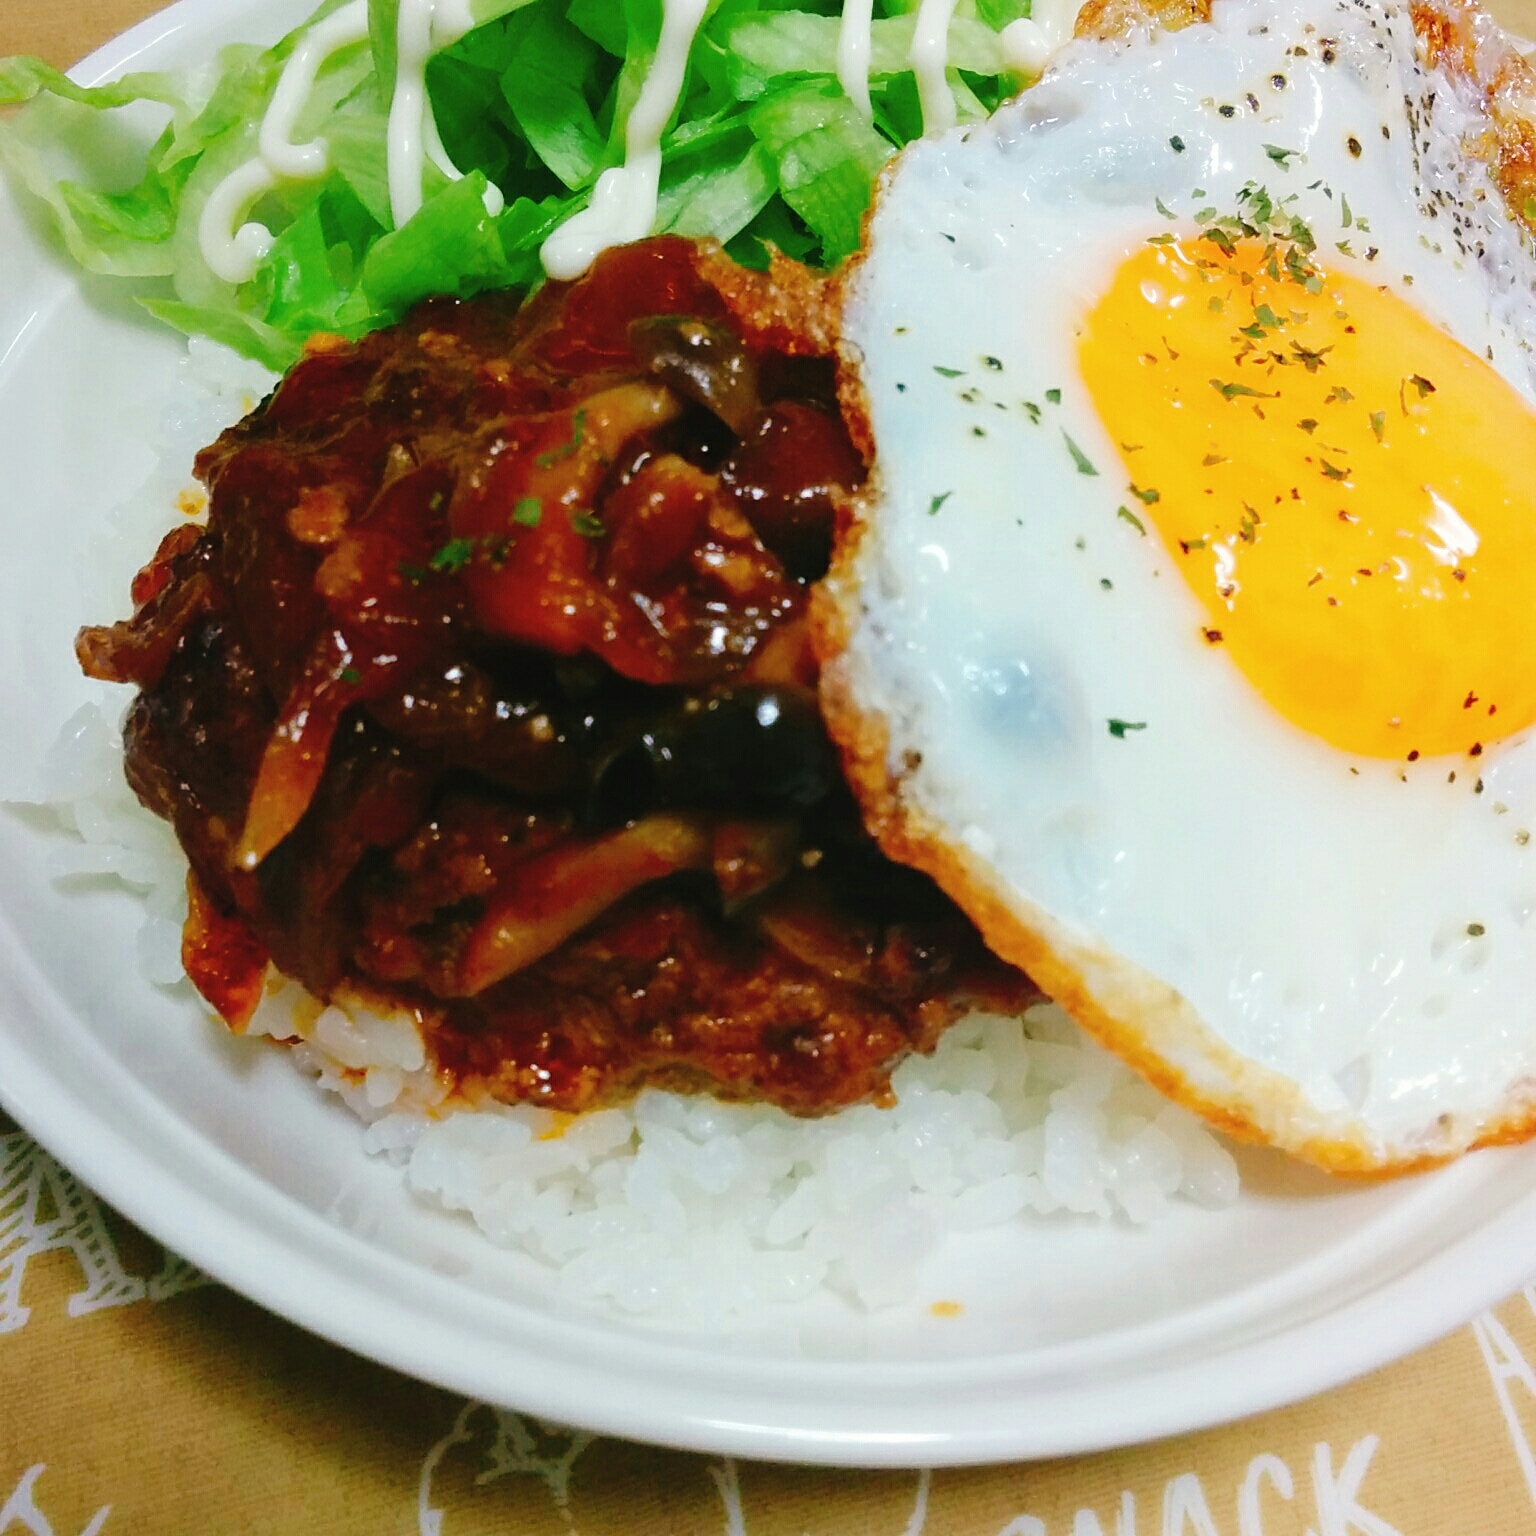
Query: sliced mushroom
[[704, 362]]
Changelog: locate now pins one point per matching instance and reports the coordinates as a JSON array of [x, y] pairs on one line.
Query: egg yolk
[[1349, 492]]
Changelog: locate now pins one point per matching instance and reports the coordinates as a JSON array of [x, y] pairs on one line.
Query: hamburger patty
[[486, 692]]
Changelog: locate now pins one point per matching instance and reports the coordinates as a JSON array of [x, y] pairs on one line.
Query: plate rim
[[1048, 1420]]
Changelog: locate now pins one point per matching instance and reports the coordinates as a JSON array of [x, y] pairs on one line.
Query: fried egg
[[1187, 631]]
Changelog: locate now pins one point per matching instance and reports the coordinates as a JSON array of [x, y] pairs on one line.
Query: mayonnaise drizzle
[[451, 20], [424, 27], [234, 249], [623, 203], [408, 109], [1029, 42], [929, 58], [855, 46]]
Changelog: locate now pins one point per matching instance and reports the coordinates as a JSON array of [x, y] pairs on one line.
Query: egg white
[[1334, 953]]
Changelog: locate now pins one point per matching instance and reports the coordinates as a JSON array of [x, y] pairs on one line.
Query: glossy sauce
[[486, 694]]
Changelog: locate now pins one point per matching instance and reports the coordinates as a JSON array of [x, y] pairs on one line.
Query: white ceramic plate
[[1071, 1337]]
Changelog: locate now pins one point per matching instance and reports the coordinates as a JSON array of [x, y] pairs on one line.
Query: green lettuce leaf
[[763, 152], [242, 333], [115, 233], [762, 47], [452, 246], [720, 196], [998, 13], [827, 156], [25, 79], [546, 88]]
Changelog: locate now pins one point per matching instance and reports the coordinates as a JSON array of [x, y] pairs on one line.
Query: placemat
[[138, 1397]]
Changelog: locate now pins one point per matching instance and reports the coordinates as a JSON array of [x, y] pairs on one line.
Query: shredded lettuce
[[765, 151]]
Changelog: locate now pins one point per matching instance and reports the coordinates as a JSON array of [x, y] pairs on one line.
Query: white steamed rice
[[670, 1205]]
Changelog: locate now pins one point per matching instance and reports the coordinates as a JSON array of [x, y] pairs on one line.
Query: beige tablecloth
[[137, 1399]]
